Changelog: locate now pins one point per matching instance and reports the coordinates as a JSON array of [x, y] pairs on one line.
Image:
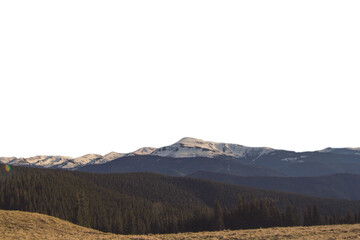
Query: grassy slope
[[24, 225]]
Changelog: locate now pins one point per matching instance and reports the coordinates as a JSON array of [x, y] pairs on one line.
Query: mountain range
[[190, 155], [186, 147]]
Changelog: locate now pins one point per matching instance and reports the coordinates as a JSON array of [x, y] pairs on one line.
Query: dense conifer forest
[[136, 203], [339, 186]]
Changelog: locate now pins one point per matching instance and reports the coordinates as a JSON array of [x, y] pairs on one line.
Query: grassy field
[[24, 225]]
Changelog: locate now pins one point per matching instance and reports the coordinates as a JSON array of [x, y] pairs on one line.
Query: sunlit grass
[[24, 225]]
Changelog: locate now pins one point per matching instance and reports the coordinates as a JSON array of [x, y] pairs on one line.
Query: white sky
[[80, 77]]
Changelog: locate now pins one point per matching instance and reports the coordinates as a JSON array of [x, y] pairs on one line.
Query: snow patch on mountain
[[294, 159]]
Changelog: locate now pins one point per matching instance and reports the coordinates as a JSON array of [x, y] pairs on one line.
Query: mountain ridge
[[185, 148], [178, 166]]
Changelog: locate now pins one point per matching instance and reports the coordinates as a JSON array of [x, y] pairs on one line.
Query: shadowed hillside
[[340, 186], [179, 166]]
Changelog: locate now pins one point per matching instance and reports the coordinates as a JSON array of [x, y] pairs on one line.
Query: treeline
[[152, 203], [263, 214], [312, 217]]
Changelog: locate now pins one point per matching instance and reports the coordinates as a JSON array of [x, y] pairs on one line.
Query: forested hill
[[144, 202], [190, 191], [340, 186]]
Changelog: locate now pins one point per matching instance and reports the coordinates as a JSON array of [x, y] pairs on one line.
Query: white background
[[80, 77]]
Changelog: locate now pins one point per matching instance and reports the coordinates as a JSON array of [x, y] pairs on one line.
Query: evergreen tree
[[81, 210], [218, 217], [308, 216], [315, 218], [288, 217]]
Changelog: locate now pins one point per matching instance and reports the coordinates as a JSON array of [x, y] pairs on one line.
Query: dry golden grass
[[24, 225]]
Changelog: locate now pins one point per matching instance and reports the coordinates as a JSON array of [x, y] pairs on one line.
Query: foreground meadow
[[24, 225]]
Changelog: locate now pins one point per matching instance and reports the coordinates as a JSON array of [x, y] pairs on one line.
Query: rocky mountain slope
[[61, 161], [191, 147]]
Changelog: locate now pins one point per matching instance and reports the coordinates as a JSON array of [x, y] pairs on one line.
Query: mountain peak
[[189, 139], [193, 147], [143, 151]]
